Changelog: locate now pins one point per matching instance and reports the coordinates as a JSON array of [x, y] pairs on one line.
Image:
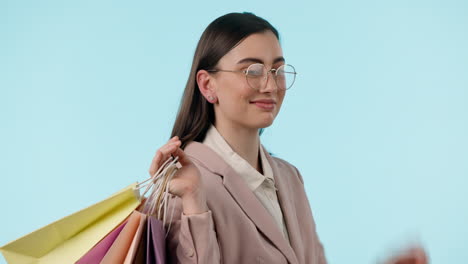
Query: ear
[[206, 85]]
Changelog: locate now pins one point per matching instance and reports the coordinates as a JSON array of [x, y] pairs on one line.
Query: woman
[[233, 201]]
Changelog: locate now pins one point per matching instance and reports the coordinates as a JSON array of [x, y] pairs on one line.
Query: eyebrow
[[257, 60]]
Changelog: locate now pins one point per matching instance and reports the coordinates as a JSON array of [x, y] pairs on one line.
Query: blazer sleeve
[[318, 250], [191, 238]]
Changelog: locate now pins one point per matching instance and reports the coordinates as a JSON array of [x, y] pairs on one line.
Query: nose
[[270, 84]]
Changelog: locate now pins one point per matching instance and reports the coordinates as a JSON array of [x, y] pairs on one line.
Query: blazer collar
[[207, 158]]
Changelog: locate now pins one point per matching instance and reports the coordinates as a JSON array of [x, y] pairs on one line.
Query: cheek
[[280, 98], [246, 94], [235, 93]]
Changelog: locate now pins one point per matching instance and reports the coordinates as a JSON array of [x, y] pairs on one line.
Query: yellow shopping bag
[[69, 238]]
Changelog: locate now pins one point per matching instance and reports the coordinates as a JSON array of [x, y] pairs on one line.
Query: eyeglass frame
[[268, 71]]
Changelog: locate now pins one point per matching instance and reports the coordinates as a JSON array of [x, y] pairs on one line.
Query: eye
[[255, 70], [254, 73]]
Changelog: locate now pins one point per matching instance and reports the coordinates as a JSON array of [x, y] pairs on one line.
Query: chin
[[265, 123]]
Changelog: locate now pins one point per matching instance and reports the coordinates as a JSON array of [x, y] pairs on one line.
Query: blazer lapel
[[286, 203], [207, 158]]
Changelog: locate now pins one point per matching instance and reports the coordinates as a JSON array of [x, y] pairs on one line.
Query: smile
[[265, 104]]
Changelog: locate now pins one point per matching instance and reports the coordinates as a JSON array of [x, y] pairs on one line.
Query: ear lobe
[[204, 81]]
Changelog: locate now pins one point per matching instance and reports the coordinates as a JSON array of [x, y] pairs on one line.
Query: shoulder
[[286, 167]]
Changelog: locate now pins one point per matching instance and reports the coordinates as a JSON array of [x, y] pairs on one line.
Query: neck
[[244, 141]]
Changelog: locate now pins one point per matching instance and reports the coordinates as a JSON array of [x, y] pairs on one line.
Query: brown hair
[[223, 34]]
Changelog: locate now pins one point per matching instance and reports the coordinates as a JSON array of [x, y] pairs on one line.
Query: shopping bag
[[97, 253], [121, 245], [156, 242], [142, 239], [140, 254], [68, 239], [136, 240]]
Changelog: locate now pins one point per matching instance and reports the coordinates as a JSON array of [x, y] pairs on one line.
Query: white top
[[263, 186]]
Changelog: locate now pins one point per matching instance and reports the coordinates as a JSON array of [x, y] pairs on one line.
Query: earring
[[210, 98]]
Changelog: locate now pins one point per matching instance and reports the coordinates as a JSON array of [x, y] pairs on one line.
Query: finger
[[162, 154], [166, 151], [170, 148], [158, 160], [183, 159]]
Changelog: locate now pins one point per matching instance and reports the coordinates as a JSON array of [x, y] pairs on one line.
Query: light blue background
[[376, 122]]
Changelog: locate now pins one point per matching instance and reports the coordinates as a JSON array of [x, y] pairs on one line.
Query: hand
[[186, 183], [415, 255]]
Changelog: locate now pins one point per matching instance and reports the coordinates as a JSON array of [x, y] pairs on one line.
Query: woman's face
[[239, 103]]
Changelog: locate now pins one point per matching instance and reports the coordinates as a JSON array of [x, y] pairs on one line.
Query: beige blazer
[[237, 228]]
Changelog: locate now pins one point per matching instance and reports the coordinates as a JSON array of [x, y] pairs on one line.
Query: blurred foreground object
[[413, 255]]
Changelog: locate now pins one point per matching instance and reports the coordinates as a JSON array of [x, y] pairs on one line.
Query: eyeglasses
[[257, 75]]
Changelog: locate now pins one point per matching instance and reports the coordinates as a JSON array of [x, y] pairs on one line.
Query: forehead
[[263, 46]]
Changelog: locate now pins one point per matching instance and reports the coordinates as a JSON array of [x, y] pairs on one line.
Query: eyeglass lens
[[284, 76]]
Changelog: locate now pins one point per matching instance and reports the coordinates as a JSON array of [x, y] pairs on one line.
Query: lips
[[267, 104], [265, 101]]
